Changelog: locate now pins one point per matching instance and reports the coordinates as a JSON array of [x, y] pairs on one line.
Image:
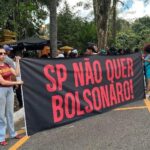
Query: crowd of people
[[93, 50], [10, 78], [74, 52]]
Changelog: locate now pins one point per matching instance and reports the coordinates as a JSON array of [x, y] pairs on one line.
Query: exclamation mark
[[131, 89]]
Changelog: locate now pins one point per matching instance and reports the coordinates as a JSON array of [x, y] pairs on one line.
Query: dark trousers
[[19, 96]]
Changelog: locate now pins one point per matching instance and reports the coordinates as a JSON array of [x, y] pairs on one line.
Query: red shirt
[[5, 72]]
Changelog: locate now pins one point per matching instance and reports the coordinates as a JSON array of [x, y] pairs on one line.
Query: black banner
[[59, 91]]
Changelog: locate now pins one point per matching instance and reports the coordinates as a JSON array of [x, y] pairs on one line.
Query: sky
[[78, 10], [136, 10], [130, 12]]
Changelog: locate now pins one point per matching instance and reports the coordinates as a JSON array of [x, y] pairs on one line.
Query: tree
[[23, 17], [73, 30], [66, 25], [127, 39], [125, 4], [52, 7], [53, 26], [114, 21], [102, 14], [114, 18], [101, 11], [122, 26], [141, 27], [133, 35]]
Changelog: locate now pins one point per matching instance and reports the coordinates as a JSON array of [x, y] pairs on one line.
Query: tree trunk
[[94, 7], [101, 9], [53, 27], [114, 21]]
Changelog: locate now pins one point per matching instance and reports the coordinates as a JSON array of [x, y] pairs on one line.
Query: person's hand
[[17, 58], [16, 86], [20, 82]]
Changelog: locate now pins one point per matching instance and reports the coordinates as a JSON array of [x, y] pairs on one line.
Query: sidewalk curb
[[19, 115]]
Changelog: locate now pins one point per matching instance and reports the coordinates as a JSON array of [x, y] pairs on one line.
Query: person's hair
[[120, 51], [91, 48], [72, 55], [128, 51], [136, 50], [112, 51], [147, 48], [1, 47]]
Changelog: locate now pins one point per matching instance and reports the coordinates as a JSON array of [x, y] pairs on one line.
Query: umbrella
[[32, 43], [32, 40], [66, 48]]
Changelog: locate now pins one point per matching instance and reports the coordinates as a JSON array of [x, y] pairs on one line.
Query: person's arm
[[9, 61], [148, 60], [16, 71], [9, 83]]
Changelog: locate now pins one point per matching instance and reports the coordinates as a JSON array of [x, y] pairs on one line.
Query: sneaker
[[3, 143], [18, 137]]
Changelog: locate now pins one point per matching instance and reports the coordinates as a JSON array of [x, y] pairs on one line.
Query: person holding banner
[[7, 97], [147, 66]]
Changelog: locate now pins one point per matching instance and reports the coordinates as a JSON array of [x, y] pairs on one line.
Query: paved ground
[[115, 130]]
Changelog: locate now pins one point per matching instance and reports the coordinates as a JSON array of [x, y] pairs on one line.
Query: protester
[[60, 54], [8, 60], [11, 63], [7, 97], [136, 50], [90, 51], [112, 51], [45, 52], [147, 65], [120, 51], [95, 48], [65, 54], [128, 51], [73, 53], [103, 52]]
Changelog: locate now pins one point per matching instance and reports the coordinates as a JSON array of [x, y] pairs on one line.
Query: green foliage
[[23, 17], [141, 24], [132, 35], [75, 31], [141, 27], [127, 40], [121, 26]]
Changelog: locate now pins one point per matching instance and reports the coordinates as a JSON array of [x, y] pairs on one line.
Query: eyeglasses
[[2, 53]]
